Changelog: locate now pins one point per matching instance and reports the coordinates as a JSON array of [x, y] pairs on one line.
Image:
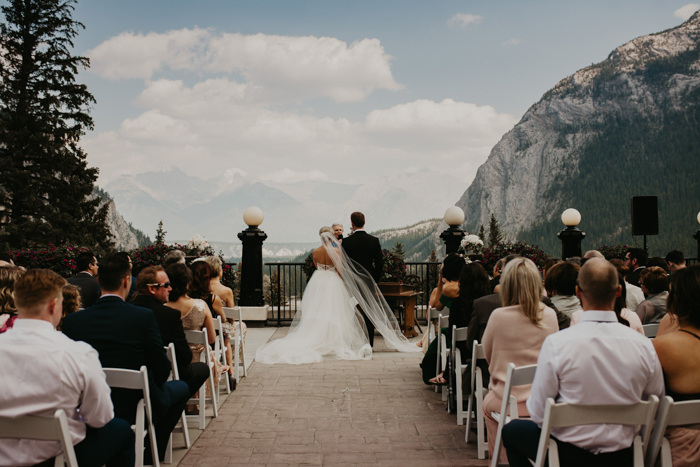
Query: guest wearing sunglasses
[[153, 287]]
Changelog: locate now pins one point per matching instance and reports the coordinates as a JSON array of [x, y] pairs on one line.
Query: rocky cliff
[[623, 127]]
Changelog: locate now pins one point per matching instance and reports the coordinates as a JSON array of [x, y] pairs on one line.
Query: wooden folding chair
[[458, 369], [565, 415], [182, 427], [520, 376], [132, 379], [686, 413], [42, 428], [200, 337], [239, 345], [478, 392]]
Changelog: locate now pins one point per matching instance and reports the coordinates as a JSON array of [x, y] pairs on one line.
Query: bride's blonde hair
[[325, 228]]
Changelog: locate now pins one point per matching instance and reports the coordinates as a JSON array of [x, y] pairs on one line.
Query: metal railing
[[288, 281]]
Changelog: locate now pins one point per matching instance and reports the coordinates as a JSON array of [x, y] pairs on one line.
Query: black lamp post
[[252, 259], [696, 236], [452, 236], [571, 236]]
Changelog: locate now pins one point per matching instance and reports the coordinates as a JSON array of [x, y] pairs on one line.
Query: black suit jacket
[[170, 326], [88, 286], [366, 250], [125, 336], [633, 277]]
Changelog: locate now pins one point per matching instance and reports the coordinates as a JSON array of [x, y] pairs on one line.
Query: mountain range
[[294, 212]]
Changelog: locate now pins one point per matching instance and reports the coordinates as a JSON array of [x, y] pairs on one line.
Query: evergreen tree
[[160, 234], [46, 186], [495, 235], [482, 234], [398, 250], [433, 257]]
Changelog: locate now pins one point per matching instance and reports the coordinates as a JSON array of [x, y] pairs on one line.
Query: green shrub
[[613, 251], [59, 259]]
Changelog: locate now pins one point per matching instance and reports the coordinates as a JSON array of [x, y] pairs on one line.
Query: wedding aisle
[[375, 412]]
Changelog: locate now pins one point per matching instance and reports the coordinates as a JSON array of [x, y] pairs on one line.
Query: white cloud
[[288, 175], [276, 66], [464, 20], [686, 11], [511, 42]]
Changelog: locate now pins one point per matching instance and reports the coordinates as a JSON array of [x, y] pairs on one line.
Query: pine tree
[[398, 250], [46, 186], [160, 234], [495, 235], [433, 257], [482, 234]]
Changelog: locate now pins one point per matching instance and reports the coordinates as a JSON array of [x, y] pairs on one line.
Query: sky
[[347, 92]]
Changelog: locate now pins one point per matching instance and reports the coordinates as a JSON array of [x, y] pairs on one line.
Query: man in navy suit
[[85, 280], [365, 250], [127, 336]]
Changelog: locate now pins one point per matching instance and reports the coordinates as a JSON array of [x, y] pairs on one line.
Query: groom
[[366, 250]]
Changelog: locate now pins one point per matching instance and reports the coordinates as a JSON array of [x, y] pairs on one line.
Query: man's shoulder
[[488, 302]]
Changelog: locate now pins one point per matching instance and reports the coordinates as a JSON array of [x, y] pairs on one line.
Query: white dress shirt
[[635, 296], [597, 362], [43, 371]]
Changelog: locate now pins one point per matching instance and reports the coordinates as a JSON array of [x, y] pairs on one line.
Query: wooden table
[[408, 298]]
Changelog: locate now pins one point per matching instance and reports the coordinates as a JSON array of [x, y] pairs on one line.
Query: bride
[[329, 325]]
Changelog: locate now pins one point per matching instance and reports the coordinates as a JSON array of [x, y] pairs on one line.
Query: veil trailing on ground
[[362, 287]]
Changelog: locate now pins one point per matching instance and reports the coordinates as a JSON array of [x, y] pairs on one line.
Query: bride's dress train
[[328, 326]]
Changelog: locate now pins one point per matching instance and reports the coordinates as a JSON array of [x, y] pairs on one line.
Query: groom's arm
[[378, 261]]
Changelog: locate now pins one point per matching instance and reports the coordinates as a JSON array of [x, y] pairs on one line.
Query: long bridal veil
[[362, 288]]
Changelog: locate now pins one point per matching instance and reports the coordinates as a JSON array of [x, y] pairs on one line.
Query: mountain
[[627, 126], [416, 239], [294, 212], [124, 235]]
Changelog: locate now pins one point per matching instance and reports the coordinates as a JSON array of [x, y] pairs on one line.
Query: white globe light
[[454, 216], [571, 217], [699, 217], [253, 216]]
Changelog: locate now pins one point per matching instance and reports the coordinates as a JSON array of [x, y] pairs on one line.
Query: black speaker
[[645, 215]]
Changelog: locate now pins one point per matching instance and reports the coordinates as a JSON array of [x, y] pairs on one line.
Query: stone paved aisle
[[375, 412]]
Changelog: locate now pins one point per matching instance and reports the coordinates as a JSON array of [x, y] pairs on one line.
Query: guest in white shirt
[[598, 361], [43, 371]]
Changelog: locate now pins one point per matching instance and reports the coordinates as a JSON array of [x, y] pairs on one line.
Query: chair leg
[[168, 459], [470, 400], [245, 372], [236, 357], [185, 430]]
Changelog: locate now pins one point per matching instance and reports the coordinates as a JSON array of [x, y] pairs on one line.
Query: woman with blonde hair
[[515, 333], [8, 312]]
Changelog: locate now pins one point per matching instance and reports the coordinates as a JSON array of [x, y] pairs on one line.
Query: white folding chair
[[520, 376], [182, 427], [43, 428], [478, 392], [459, 335], [200, 338], [239, 346], [443, 322], [650, 330], [670, 413], [433, 314], [565, 415], [220, 352], [132, 379]]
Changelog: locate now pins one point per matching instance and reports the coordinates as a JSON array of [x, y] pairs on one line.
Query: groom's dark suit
[[366, 250]]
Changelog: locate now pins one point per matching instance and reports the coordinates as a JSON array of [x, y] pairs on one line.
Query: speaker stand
[[646, 248]]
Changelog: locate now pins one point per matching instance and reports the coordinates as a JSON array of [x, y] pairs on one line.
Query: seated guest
[[634, 294], [675, 260], [86, 279], [448, 282], [560, 284], [597, 362], [514, 334], [195, 314], [153, 288], [548, 265], [43, 371], [473, 284], [173, 257], [654, 282], [8, 312], [127, 336], [506, 260], [71, 302], [201, 289], [679, 353], [636, 261], [668, 324], [624, 315], [132, 290], [497, 270], [659, 262], [593, 254]]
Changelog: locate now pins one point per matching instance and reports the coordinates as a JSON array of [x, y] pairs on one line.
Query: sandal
[[439, 380]]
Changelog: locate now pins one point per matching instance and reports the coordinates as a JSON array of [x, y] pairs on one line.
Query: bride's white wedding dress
[[328, 328], [329, 325]]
